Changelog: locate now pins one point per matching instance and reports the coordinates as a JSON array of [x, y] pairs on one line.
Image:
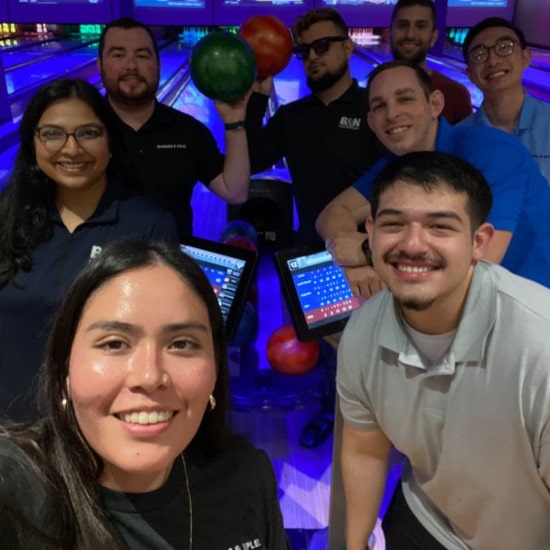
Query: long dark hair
[[56, 445], [25, 201]]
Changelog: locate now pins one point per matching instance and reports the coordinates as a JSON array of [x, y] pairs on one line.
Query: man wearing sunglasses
[[326, 141], [412, 33], [324, 136], [496, 53]]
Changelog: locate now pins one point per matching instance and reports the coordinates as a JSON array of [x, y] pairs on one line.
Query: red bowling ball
[[270, 41], [287, 355]]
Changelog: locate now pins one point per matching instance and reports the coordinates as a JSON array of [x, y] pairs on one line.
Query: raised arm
[[365, 457], [233, 183]]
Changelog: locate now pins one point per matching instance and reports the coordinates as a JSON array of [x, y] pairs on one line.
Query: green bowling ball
[[222, 66]]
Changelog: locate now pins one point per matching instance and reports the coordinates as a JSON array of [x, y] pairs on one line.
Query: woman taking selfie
[[132, 449], [63, 203]]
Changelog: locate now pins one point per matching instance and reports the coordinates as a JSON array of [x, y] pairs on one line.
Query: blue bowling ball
[[239, 228]]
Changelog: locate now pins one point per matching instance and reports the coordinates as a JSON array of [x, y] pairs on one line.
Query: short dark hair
[[401, 4], [488, 23], [318, 15], [422, 76], [126, 23], [433, 170]]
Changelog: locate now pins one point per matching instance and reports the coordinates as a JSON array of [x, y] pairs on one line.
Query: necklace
[[189, 501]]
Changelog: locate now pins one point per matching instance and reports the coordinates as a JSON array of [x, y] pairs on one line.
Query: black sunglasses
[[319, 46]]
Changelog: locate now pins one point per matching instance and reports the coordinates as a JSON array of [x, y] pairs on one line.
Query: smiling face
[[77, 166], [141, 369], [400, 114], [325, 70], [412, 33], [129, 67], [497, 74], [424, 250]]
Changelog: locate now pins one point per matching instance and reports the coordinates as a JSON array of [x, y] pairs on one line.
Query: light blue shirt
[[533, 129]]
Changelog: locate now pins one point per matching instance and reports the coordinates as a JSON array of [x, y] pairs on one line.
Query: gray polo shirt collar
[[467, 348]]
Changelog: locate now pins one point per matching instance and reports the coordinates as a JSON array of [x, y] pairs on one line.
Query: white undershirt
[[432, 347]]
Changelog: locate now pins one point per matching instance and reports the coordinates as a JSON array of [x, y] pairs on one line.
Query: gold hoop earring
[[212, 400]]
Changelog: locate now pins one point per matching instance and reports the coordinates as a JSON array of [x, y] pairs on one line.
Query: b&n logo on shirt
[[350, 123]]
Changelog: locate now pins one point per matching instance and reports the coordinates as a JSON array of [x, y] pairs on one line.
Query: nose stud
[[164, 379]]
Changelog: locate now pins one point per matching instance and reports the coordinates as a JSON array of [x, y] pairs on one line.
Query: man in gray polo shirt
[[450, 365]]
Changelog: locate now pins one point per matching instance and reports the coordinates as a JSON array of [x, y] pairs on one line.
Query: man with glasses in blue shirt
[[497, 55], [325, 139]]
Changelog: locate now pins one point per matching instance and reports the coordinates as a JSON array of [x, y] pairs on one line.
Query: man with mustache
[[449, 365], [412, 33], [404, 113], [170, 150]]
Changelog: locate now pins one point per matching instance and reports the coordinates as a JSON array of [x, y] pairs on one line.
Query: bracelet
[[239, 125]]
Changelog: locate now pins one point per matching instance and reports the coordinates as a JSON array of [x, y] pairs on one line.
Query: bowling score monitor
[[229, 270], [316, 290]]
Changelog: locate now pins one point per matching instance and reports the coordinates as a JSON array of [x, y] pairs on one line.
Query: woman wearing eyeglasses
[[63, 203]]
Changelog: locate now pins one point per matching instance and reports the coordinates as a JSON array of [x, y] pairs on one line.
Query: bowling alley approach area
[[280, 363]]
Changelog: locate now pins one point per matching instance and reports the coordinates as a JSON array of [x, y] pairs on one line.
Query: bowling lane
[[53, 61], [36, 51], [540, 59], [8, 43]]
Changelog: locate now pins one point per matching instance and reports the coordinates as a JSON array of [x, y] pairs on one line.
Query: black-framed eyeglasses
[[319, 46], [503, 47], [54, 138]]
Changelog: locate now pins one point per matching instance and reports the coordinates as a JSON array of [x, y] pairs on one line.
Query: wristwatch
[[365, 249], [239, 125]]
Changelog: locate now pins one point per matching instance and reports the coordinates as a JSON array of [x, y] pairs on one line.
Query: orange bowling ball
[[271, 42]]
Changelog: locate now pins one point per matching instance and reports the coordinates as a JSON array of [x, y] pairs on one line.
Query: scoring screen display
[[223, 272], [322, 289]]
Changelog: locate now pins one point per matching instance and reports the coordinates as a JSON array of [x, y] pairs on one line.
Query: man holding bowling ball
[[170, 150], [324, 138]]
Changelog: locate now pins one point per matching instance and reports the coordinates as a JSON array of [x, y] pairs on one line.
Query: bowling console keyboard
[[316, 290]]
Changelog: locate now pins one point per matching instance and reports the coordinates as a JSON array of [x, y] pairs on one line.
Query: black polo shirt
[[25, 311], [171, 152], [327, 148]]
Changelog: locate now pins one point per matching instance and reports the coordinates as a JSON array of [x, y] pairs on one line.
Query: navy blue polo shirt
[[171, 152], [25, 310]]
